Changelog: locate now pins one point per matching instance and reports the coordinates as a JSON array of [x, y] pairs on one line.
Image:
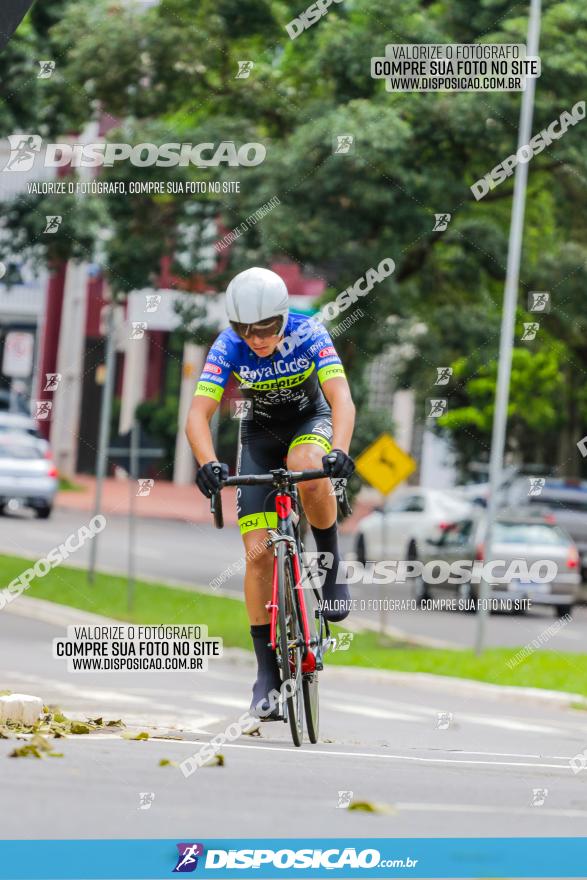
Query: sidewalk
[[166, 501]]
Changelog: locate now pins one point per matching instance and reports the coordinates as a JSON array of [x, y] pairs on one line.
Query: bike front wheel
[[289, 643]]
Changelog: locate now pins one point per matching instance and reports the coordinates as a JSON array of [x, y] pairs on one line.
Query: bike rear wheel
[[311, 705], [289, 642]]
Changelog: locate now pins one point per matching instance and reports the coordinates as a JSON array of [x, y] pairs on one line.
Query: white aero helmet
[[256, 295]]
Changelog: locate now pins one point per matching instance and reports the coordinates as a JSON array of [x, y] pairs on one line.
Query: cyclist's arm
[[198, 429], [334, 387], [338, 394], [207, 397]]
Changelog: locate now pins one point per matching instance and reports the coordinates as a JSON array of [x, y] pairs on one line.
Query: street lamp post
[[508, 317]]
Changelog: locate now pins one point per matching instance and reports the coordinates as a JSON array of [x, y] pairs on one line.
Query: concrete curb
[[21, 708], [64, 615]]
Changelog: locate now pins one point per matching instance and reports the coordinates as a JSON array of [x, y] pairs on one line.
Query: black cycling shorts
[[260, 452]]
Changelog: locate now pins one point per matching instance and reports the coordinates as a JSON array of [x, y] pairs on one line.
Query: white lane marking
[[368, 711], [291, 750], [506, 722], [501, 754], [347, 708], [174, 723], [217, 700], [509, 724], [498, 810], [157, 710], [93, 694]]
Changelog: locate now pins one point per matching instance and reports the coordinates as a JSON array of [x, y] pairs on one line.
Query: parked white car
[[27, 477], [16, 423], [394, 531]]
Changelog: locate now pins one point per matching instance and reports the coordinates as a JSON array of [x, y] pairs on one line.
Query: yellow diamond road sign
[[384, 464]]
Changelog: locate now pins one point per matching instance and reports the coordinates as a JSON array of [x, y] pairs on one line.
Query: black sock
[[337, 600], [268, 677]]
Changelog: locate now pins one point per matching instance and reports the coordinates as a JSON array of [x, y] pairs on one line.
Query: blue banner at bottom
[[554, 857]]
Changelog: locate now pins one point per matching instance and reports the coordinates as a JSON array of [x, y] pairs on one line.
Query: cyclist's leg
[[256, 457], [309, 444]]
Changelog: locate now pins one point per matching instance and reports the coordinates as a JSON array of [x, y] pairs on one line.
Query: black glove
[[209, 477], [338, 464]]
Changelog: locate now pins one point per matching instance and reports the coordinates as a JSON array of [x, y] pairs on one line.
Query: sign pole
[[104, 433], [506, 341], [383, 543], [133, 477]]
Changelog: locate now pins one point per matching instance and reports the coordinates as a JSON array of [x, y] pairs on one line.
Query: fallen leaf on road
[[79, 727], [369, 807], [142, 735], [36, 748], [215, 761], [28, 751], [165, 762]]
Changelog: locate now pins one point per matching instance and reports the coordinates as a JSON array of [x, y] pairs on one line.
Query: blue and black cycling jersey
[[284, 387]]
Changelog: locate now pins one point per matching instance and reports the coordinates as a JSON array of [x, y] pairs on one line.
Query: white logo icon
[[146, 799], [153, 300], [53, 222], [52, 380], [536, 485], [138, 329], [441, 222], [443, 375], [241, 409], [444, 720], [43, 409], [530, 331], [344, 143], [437, 408], [145, 487], [24, 149], [244, 69], [343, 641], [46, 69], [539, 301], [539, 795]]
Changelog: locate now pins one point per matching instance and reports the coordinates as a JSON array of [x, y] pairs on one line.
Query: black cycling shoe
[[337, 601], [267, 687]]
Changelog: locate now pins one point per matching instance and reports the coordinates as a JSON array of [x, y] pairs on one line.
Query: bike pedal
[[271, 718]]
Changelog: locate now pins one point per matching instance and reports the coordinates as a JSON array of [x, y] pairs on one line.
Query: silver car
[[566, 500], [27, 477], [17, 423], [525, 538]]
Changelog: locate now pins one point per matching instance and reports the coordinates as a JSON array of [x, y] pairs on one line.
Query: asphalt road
[[193, 555], [500, 767]]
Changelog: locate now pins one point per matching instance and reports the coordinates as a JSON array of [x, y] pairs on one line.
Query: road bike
[[299, 644]]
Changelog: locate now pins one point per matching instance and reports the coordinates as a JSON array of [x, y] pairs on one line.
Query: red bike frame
[[283, 507]]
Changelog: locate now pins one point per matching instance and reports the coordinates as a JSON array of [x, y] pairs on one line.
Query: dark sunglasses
[[262, 329]]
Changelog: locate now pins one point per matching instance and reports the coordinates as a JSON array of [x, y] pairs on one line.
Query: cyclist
[[298, 407]]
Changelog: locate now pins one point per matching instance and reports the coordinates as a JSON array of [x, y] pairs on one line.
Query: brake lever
[[344, 505], [216, 510]]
